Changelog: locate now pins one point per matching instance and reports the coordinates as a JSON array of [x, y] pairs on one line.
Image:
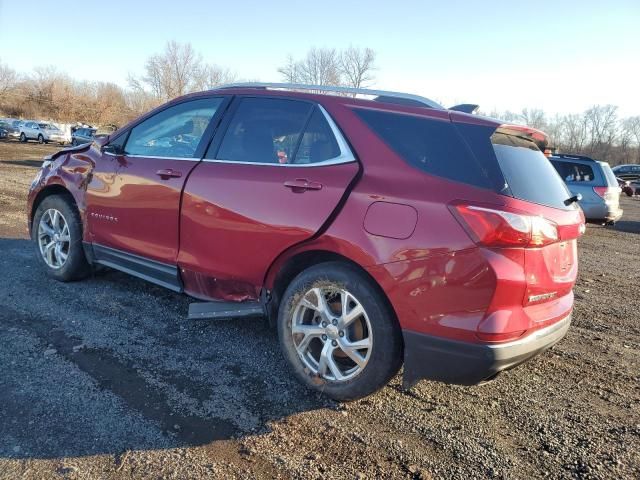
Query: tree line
[[47, 93], [598, 132]]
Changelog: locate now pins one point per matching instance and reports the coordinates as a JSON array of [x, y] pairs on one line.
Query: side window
[[318, 142], [173, 132], [264, 130]]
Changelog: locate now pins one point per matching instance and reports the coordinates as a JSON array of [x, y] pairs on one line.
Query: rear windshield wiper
[[576, 198]]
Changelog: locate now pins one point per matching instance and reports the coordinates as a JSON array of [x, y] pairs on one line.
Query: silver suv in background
[[42, 132], [595, 182]]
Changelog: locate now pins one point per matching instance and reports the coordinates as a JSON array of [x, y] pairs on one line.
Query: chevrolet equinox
[[371, 233]]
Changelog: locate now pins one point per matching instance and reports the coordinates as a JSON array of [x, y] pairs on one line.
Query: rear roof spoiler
[[538, 137], [568, 156], [465, 108]]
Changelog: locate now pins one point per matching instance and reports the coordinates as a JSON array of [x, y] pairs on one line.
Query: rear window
[[529, 174], [433, 146], [572, 172]]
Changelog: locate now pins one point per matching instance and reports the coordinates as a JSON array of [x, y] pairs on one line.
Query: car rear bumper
[[602, 212], [614, 215], [464, 363]]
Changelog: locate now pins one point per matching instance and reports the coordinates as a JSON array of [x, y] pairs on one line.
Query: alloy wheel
[[332, 333], [54, 239]]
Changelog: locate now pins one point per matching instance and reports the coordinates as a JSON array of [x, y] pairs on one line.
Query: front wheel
[[57, 234], [338, 333], [40, 139], [23, 138]]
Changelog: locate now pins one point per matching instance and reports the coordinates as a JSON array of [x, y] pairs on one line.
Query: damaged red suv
[[370, 232]]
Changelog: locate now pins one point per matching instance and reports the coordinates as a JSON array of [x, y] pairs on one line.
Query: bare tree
[[602, 123], [212, 76], [631, 130], [8, 78], [533, 117], [320, 66], [574, 133], [177, 71], [357, 66], [171, 73], [290, 71]]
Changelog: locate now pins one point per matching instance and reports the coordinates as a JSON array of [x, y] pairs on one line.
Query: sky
[[560, 56]]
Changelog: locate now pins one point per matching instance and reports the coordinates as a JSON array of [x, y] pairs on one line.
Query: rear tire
[[313, 341], [57, 234]]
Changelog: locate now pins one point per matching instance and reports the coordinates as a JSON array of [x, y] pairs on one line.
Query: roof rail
[[568, 156], [383, 95]]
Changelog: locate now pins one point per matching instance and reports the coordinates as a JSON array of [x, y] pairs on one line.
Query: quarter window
[[433, 146], [173, 132], [318, 143], [264, 130]]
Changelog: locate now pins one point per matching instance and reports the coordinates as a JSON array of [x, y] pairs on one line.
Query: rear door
[[276, 171], [133, 199]]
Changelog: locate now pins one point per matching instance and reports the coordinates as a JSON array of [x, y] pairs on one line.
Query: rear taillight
[[607, 193], [498, 228], [601, 191]]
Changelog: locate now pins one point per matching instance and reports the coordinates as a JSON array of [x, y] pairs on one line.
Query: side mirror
[[101, 140], [111, 149]]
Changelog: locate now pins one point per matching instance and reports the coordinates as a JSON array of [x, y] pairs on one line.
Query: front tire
[[338, 333], [57, 235], [40, 139], [23, 138]]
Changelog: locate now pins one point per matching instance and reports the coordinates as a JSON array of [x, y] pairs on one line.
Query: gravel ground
[[106, 378]]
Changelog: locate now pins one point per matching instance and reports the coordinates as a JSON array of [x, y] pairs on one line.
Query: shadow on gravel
[[23, 163], [627, 226], [62, 398]]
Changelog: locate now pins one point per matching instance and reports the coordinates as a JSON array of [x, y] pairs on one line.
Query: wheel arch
[[52, 189], [284, 270]]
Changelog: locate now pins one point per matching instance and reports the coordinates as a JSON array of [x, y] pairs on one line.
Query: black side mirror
[[111, 149]]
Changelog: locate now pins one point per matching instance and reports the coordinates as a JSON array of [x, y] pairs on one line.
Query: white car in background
[[42, 132]]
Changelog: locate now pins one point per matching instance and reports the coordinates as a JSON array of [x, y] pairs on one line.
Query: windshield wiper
[[576, 198]]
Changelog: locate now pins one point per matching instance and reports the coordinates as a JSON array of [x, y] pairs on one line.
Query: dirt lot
[[107, 379]]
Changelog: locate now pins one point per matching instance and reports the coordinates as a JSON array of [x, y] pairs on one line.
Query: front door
[[275, 172], [133, 199]]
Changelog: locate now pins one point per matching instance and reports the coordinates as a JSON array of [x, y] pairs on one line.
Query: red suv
[[369, 232]]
